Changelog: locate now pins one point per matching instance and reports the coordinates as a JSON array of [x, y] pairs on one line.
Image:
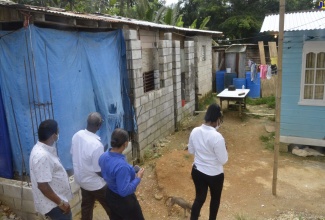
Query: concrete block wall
[[203, 68], [183, 111], [19, 197]]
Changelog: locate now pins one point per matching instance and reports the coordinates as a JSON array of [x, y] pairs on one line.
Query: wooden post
[[278, 98], [262, 53], [273, 53]]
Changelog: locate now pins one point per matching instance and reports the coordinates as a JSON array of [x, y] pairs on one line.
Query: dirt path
[[247, 190]]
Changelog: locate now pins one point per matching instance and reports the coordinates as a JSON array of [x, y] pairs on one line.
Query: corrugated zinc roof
[[296, 21], [102, 17]]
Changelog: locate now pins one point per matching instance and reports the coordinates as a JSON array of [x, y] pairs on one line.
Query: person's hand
[[140, 173], [65, 207]]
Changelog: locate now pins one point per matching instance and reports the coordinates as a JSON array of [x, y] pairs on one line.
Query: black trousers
[[124, 208], [202, 182], [88, 202]]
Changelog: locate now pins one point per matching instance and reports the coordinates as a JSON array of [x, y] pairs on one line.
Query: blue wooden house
[[303, 76]]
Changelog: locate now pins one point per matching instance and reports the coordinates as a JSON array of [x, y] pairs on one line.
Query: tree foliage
[[236, 18]]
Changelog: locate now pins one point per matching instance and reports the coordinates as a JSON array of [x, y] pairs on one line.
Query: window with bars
[[148, 81], [313, 74]]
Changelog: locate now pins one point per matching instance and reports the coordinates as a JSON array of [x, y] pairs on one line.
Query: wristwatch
[[61, 203]]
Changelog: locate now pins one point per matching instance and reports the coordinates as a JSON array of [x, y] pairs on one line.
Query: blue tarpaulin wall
[[78, 72], [6, 170]]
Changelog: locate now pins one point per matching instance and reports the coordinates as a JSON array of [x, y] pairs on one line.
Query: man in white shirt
[[86, 149], [50, 182]]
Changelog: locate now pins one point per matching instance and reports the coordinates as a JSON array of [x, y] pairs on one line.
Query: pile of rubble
[[6, 213]]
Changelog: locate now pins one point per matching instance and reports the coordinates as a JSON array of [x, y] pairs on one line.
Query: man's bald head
[[94, 121]]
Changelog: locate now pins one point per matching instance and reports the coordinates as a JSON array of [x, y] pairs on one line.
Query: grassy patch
[[269, 101], [206, 101], [268, 140]]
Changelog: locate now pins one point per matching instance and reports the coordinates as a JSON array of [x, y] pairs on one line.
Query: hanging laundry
[[269, 72], [263, 71], [253, 72]]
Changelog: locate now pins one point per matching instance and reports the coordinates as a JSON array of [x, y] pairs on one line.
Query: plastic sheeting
[[65, 75], [6, 170]]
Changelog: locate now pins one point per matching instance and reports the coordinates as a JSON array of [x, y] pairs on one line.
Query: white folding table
[[238, 95]]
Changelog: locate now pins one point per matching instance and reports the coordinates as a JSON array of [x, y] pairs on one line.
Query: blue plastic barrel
[[229, 79], [258, 78], [220, 80], [239, 83], [255, 88]]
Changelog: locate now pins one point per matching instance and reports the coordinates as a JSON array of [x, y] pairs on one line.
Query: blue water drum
[[254, 86], [239, 82], [229, 79], [220, 80]]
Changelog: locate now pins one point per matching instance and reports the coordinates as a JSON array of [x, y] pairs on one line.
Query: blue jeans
[[57, 214]]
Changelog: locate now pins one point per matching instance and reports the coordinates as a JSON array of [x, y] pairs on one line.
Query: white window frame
[[315, 47]]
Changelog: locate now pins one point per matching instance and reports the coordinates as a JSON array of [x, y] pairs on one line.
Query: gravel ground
[[291, 215]]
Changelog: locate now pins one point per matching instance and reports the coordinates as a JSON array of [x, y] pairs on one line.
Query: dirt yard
[[247, 192]]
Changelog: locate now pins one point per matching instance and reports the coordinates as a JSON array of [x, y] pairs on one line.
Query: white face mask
[[217, 127], [54, 143]]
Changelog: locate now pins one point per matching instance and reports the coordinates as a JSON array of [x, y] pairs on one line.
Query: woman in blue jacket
[[121, 178]]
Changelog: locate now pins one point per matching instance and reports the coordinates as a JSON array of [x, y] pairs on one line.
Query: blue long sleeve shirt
[[118, 174]]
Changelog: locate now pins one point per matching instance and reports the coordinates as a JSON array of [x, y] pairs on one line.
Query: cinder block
[[142, 127], [163, 75], [176, 43], [138, 92], [157, 134], [137, 102], [130, 34], [74, 186], [151, 138], [25, 205], [162, 59], [135, 73], [27, 193], [147, 106], [188, 50], [152, 112], [169, 66], [177, 78], [169, 58], [143, 143], [188, 43], [168, 82], [12, 191], [163, 67], [176, 58], [134, 64], [155, 102], [168, 36], [144, 99], [169, 44], [158, 94], [162, 43], [169, 74], [133, 45], [163, 52], [133, 54]]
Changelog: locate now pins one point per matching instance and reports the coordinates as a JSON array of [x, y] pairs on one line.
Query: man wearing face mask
[[86, 149], [210, 154], [50, 182]]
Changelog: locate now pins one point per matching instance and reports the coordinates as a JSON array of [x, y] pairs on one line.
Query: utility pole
[[278, 97]]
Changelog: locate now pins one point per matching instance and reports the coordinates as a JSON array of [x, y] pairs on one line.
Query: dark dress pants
[[88, 202], [202, 182], [124, 208]]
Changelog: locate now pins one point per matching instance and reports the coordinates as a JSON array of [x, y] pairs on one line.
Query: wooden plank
[[273, 50], [262, 52]]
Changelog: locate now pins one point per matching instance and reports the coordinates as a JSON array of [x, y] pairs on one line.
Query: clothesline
[[266, 71]]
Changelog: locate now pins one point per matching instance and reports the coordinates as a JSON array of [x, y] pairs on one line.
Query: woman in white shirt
[[210, 154]]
